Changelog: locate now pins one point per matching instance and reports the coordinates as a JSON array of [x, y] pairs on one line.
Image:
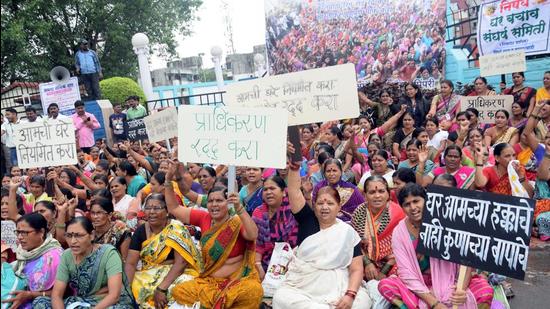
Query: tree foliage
[[40, 34], [117, 89]]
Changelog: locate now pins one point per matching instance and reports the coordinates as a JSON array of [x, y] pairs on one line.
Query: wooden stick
[[460, 283]]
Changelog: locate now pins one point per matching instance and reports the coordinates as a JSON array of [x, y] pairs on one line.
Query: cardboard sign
[[63, 94], [478, 229], [137, 130], [503, 63], [8, 234], [162, 125], [487, 105], [309, 96], [232, 135], [45, 143]]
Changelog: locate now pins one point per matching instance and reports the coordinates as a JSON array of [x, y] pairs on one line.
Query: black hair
[[308, 127], [84, 221], [449, 83], [465, 114], [102, 193], [222, 180], [418, 95], [36, 221], [159, 177], [519, 73], [105, 204], [11, 110], [209, 170], [433, 119], [474, 129], [52, 105], [323, 156], [71, 175], [101, 177], [30, 109], [452, 147], [119, 179], [280, 182], [483, 79], [376, 178], [505, 112], [447, 177], [498, 148], [405, 174], [78, 103], [473, 111], [412, 142], [402, 118], [38, 180], [48, 204], [127, 167], [18, 200], [157, 197], [327, 148], [218, 189], [104, 164], [336, 131], [382, 153], [332, 161], [411, 189]]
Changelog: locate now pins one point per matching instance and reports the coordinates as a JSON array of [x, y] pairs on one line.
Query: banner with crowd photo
[[507, 25], [387, 41]]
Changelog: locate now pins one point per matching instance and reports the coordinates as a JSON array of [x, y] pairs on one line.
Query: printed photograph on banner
[[509, 25], [482, 230], [231, 135], [63, 94], [309, 96], [387, 41], [45, 144]]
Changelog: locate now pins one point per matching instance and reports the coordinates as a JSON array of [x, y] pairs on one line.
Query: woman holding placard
[[421, 281]]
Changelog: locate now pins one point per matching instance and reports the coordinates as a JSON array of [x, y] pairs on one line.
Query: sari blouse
[[522, 97], [495, 184]]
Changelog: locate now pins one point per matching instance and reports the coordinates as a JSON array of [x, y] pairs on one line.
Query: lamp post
[[216, 53], [140, 42]]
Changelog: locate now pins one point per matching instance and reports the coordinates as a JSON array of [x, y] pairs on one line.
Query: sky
[[248, 30]]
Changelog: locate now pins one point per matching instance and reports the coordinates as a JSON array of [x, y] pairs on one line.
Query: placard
[[64, 95], [503, 63], [510, 25], [162, 125], [8, 234], [487, 105], [232, 135], [308, 96], [45, 143], [482, 230], [137, 130]]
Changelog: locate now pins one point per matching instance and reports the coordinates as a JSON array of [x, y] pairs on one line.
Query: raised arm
[[480, 179], [295, 196], [176, 172], [138, 157], [529, 130], [544, 167], [364, 99], [89, 183], [13, 213], [250, 229], [392, 121]]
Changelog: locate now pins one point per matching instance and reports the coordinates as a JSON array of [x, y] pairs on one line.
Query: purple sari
[[350, 197]]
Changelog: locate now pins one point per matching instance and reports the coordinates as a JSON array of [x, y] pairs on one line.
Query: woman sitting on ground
[[251, 194], [229, 278], [38, 256], [327, 269], [167, 254], [92, 271], [421, 281], [107, 231]]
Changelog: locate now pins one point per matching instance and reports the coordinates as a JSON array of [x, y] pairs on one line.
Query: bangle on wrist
[[60, 226], [480, 165], [435, 304], [521, 180], [163, 291], [351, 294]]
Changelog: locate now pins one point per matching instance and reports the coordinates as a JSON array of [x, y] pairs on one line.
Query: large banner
[[43, 144], [509, 25], [387, 41], [478, 229], [64, 95], [308, 96], [232, 135]]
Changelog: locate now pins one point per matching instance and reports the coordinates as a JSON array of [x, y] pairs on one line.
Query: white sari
[[318, 273]]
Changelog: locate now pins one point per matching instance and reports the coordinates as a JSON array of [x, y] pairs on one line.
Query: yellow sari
[[241, 290], [154, 253]]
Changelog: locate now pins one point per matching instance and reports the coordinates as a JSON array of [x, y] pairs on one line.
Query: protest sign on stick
[[43, 144], [8, 234], [63, 94], [309, 96], [487, 105], [477, 229], [232, 135], [162, 125], [503, 63], [137, 130]]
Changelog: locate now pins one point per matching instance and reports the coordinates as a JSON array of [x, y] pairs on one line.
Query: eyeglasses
[[77, 236], [98, 213], [23, 233], [153, 209]]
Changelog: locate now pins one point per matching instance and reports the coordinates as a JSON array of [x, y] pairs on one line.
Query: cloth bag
[[278, 266]]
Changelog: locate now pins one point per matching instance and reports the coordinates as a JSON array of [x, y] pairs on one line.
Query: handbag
[[278, 266]]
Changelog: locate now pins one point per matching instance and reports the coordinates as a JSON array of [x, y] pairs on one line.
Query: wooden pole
[[460, 283]]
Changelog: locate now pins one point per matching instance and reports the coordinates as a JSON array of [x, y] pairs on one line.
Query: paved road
[[534, 292]]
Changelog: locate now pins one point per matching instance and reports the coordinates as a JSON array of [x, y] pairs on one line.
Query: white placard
[[503, 63], [309, 96], [487, 105], [162, 125], [8, 234], [232, 135], [43, 144], [64, 95]]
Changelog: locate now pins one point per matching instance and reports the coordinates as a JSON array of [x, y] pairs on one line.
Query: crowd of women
[[130, 226]]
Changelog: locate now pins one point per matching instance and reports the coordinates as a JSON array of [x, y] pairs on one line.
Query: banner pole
[[460, 282]]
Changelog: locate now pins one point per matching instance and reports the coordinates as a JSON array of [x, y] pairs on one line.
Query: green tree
[[40, 34], [117, 89]]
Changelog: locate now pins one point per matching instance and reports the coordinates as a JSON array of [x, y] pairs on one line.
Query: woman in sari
[[228, 278], [307, 139], [38, 256], [523, 95], [167, 254], [518, 119], [421, 281], [326, 270], [375, 220], [350, 196], [475, 137], [93, 272], [251, 194], [464, 175], [412, 157], [378, 162], [445, 104], [501, 132], [481, 88], [403, 135], [495, 178], [107, 231]]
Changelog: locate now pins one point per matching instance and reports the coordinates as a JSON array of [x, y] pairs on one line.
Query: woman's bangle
[[163, 291], [351, 294], [168, 184], [522, 179], [60, 226], [480, 165], [366, 261], [435, 304]]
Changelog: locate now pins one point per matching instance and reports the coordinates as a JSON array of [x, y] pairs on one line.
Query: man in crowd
[[85, 123], [135, 110], [32, 115], [117, 123], [88, 67], [53, 113], [8, 134]]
